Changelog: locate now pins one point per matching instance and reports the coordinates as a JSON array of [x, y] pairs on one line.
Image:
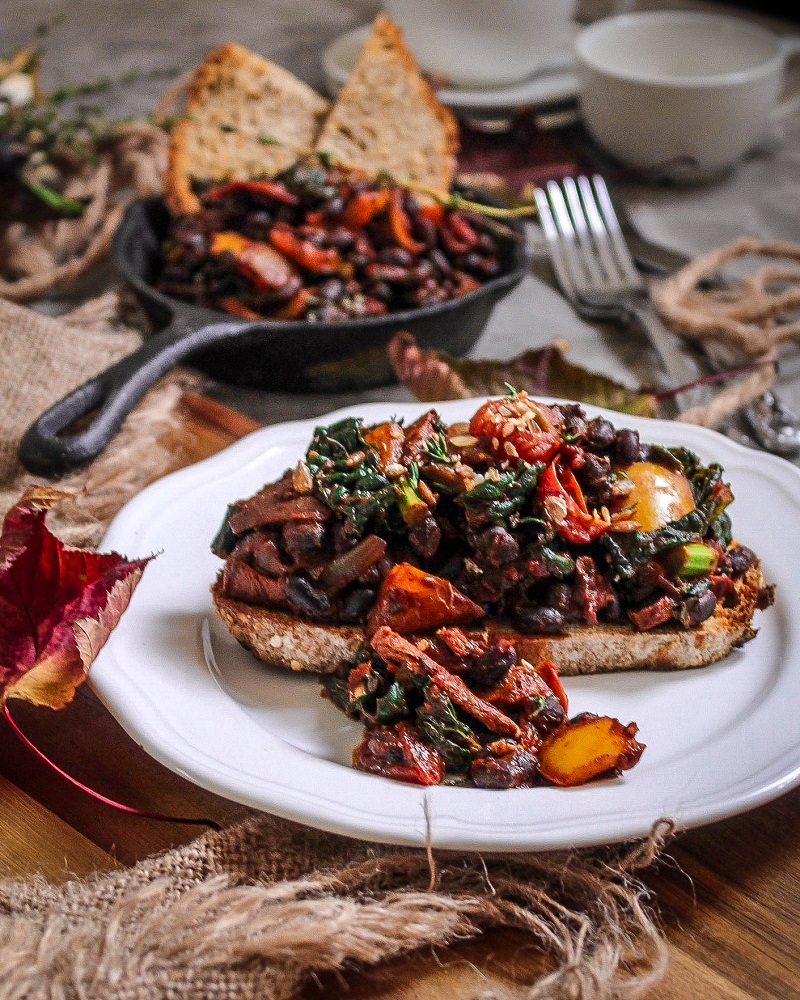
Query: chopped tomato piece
[[265, 268], [432, 211], [304, 252], [399, 753], [296, 305], [236, 308], [274, 190], [530, 430], [546, 669], [364, 206], [400, 224], [573, 523]]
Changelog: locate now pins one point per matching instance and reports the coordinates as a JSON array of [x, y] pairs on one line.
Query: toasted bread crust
[[286, 641], [336, 137], [248, 77]]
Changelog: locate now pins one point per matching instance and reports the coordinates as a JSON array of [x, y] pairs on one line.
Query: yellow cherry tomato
[[660, 495]]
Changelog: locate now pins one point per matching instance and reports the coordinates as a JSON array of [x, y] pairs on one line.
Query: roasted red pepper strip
[[364, 206], [274, 190], [236, 308], [399, 652], [263, 266], [577, 525], [400, 224], [303, 252], [546, 669]]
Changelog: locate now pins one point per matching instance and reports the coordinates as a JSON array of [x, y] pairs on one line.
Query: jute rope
[[753, 315]]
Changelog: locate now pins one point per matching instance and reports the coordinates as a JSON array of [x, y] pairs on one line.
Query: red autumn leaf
[[58, 604]]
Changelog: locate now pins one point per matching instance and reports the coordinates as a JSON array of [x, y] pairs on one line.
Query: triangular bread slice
[[387, 118], [245, 117]]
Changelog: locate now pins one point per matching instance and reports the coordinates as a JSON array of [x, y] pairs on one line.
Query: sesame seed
[[276, 641]]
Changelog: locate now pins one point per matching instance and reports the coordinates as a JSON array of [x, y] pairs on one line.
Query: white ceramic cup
[[486, 43], [676, 94]]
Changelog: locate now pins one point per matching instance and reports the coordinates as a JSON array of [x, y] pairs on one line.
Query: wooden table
[[728, 893]]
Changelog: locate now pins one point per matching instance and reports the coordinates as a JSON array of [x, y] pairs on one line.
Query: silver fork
[[596, 272]]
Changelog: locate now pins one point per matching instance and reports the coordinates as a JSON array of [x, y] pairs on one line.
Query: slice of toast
[[286, 641], [387, 118], [245, 117]]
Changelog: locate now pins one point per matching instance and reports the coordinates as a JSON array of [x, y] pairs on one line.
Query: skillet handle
[[114, 393]]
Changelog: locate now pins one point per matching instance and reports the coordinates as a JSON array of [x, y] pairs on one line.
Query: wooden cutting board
[[727, 892]]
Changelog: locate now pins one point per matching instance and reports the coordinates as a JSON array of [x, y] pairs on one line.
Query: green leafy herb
[[440, 726], [436, 448], [347, 474], [497, 500]]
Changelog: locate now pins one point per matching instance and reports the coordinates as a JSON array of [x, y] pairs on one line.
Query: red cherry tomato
[[521, 428]]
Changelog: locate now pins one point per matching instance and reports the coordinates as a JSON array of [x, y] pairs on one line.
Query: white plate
[[720, 739], [554, 83]]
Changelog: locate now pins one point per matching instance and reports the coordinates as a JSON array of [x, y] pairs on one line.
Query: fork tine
[[590, 256], [621, 250], [600, 232], [567, 237], [554, 243]]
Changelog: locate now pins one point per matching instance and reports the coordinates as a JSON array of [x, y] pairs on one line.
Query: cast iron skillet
[[290, 355]]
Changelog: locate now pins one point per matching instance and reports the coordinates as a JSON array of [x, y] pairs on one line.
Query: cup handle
[[789, 102], [790, 46]]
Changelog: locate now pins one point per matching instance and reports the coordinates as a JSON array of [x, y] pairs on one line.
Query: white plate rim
[[411, 815]]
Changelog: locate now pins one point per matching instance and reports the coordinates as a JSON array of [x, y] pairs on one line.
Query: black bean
[[559, 595], [698, 608], [341, 238], [301, 538], [600, 434], [380, 290], [357, 604], [335, 206], [626, 447], [493, 664], [306, 598], [330, 289], [511, 771], [440, 262], [397, 256], [425, 537], [497, 546], [532, 618], [425, 230], [423, 270], [740, 559], [595, 470]]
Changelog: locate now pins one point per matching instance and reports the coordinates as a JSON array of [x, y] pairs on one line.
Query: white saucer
[[552, 84]]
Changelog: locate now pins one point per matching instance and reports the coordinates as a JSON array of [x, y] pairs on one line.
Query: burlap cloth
[[255, 910]]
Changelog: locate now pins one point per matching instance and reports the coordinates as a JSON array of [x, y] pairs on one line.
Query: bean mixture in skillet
[[321, 245], [531, 514]]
